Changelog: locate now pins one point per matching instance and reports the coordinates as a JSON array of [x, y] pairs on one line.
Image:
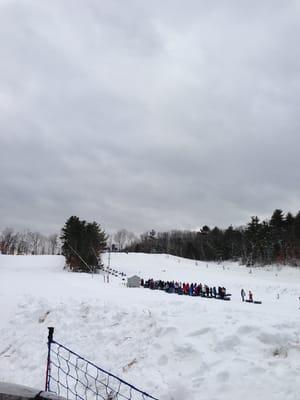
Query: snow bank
[[172, 346]]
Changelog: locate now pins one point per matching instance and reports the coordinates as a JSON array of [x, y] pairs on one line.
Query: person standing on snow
[[250, 296], [243, 294]]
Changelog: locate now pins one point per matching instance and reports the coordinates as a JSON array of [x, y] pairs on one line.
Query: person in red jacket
[[250, 296], [187, 288]]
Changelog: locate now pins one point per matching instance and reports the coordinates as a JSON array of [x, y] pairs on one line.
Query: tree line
[[28, 242], [276, 240], [81, 243]]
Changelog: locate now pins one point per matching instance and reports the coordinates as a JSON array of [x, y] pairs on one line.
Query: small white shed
[[134, 281]]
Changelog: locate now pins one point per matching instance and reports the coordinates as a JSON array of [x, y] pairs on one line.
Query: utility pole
[[108, 262], [109, 251]]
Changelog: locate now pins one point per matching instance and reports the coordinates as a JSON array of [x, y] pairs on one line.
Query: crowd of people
[[183, 288], [190, 289]]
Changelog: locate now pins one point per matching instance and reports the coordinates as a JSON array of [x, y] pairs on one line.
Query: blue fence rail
[[75, 378]]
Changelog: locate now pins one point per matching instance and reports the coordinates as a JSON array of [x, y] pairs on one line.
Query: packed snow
[[173, 347]]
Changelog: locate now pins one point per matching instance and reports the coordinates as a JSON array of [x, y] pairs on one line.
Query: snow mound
[[171, 346]]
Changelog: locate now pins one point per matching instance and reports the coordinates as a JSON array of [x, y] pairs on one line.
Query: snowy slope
[[177, 346]]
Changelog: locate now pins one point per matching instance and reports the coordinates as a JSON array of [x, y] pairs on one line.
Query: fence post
[[50, 340]]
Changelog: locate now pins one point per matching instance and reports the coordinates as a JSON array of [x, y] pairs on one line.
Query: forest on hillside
[[275, 240]]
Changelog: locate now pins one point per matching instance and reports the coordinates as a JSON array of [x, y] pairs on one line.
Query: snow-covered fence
[[72, 376]]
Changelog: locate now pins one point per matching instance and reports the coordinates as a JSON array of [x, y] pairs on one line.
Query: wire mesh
[[71, 376]]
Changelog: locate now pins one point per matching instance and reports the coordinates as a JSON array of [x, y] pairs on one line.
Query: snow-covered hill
[[172, 346]]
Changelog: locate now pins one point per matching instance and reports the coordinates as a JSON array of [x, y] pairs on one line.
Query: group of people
[[191, 289], [250, 296]]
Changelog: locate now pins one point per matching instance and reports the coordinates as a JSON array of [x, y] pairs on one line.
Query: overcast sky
[[148, 114]]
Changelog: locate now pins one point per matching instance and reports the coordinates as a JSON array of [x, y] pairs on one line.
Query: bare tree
[[120, 238], [124, 238], [53, 243], [27, 242], [22, 243], [8, 241], [131, 237]]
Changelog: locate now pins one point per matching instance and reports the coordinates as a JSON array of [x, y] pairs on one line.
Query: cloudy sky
[[148, 114]]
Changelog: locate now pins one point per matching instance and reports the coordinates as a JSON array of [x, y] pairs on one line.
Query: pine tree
[[277, 224], [82, 244], [277, 220]]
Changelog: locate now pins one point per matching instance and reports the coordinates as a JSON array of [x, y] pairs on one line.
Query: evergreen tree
[[277, 220], [277, 225], [274, 240], [297, 235], [82, 244]]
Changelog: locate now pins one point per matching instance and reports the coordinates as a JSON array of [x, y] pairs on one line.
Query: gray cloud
[[148, 114]]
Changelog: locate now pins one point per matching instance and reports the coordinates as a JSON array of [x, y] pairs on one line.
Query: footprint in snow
[[223, 376], [163, 360], [199, 332], [228, 343], [247, 329]]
